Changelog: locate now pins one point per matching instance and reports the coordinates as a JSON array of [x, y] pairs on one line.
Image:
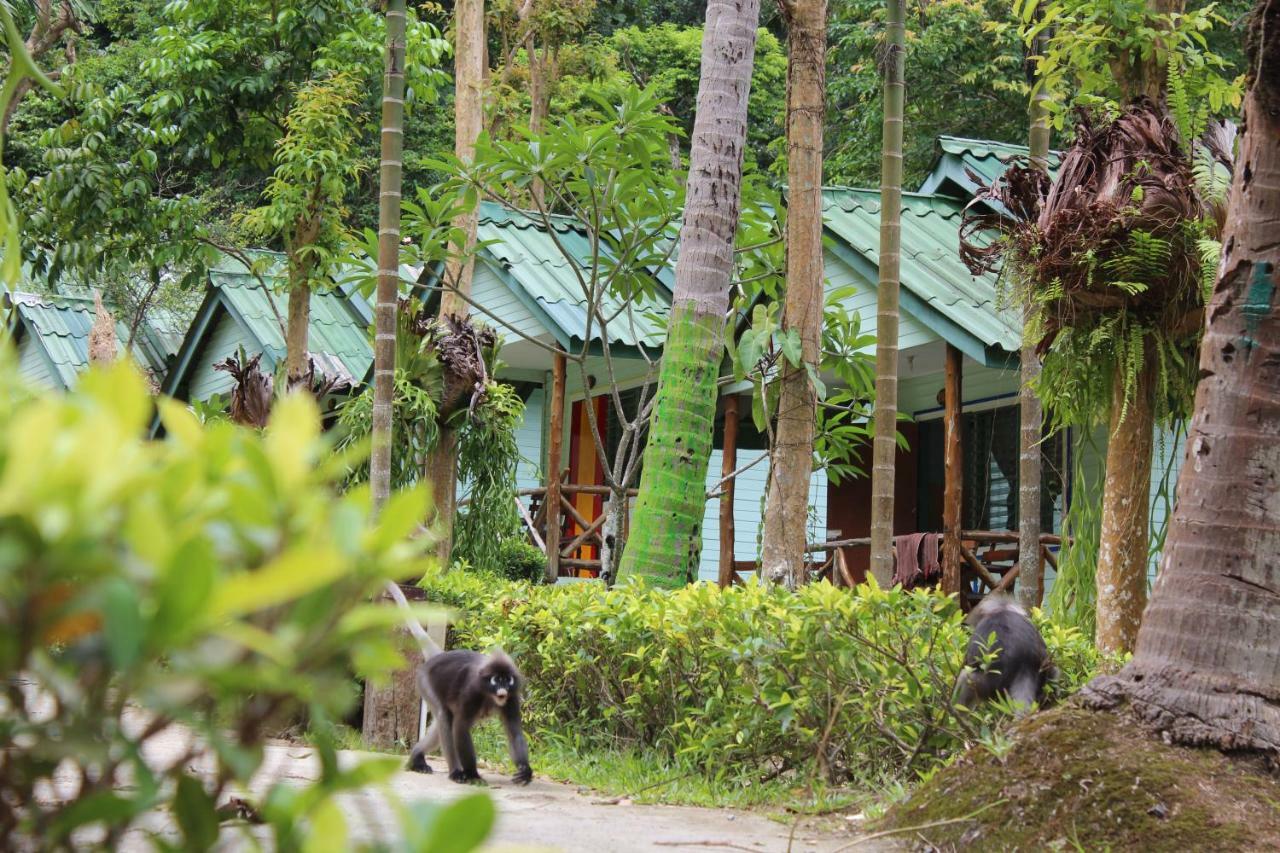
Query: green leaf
[[124, 625], [289, 577], [459, 827], [328, 833], [197, 817]]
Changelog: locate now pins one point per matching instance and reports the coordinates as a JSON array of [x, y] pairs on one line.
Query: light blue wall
[[748, 512], [498, 300], [228, 336], [529, 439], [911, 332], [33, 365]]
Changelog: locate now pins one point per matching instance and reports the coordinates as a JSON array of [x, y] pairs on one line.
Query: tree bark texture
[[555, 456], [297, 326], [1031, 417], [1126, 513], [787, 507], [884, 444], [728, 464], [390, 181], [468, 117], [666, 533], [953, 470], [390, 712], [1207, 665]]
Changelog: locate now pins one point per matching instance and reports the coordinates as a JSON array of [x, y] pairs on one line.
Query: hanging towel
[[906, 570]]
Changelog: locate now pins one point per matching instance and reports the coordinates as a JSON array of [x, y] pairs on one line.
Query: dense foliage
[[750, 679], [212, 584]]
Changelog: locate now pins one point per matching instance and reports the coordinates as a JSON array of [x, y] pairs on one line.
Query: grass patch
[[649, 777], [1075, 779]]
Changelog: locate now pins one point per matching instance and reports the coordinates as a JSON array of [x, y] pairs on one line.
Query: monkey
[[1021, 668], [462, 688]]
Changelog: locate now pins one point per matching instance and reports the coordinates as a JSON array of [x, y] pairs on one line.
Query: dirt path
[[545, 816]]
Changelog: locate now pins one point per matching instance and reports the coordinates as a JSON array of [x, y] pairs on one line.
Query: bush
[[215, 580], [851, 684], [520, 560]]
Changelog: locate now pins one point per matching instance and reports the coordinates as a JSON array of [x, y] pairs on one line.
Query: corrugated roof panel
[[538, 263], [337, 340], [931, 267], [988, 159], [63, 324]]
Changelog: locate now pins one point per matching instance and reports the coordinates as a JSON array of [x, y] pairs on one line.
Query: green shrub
[[215, 580], [520, 560], [851, 684]]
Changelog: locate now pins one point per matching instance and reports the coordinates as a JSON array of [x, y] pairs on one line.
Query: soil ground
[[1080, 780], [545, 816]]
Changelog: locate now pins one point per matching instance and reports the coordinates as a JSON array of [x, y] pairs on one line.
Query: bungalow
[[526, 287], [51, 334]]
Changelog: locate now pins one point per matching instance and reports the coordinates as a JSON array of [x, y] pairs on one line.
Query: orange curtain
[[585, 470]]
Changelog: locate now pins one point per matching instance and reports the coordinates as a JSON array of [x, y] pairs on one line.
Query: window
[[989, 444]]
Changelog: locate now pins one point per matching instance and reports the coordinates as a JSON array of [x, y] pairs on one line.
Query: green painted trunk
[[665, 541]]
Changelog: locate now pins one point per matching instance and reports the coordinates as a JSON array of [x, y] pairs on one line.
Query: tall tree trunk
[[885, 444], [1122, 545], [390, 180], [390, 712], [538, 105], [666, 534], [468, 116], [1207, 665], [787, 508], [1030, 463]]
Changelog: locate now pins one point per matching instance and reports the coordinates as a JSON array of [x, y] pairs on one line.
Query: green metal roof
[[937, 288], [530, 259], [61, 324], [338, 338], [987, 159]]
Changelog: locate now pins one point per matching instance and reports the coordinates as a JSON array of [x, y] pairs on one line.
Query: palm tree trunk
[[787, 508], [884, 445], [666, 537], [391, 711], [1030, 464], [441, 469], [1207, 665]]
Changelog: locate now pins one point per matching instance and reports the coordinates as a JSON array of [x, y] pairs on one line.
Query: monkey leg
[[429, 743], [465, 770]]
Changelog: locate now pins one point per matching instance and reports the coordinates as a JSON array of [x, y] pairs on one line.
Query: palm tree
[[783, 557], [666, 533], [1207, 663], [884, 445]]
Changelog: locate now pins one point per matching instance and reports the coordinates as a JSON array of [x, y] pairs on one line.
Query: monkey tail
[[428, 645]]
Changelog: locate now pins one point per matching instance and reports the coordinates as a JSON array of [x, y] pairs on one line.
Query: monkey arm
[[518, 745]]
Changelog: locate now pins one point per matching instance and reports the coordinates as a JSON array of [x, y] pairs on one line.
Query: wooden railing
[[587, 534], [989, 556]]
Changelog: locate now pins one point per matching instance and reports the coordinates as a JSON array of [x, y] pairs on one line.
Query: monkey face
[[501, 686]]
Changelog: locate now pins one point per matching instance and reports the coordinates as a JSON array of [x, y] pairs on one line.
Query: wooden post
[[728, 465], [553, 467], [953, 467]]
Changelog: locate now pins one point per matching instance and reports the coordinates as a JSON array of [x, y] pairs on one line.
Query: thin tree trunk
[[468, 115], [468, 118], [537, 106], [1207, 665], [787, 507], [1126, 505], [1030, 464], [390, 712], [297, 326], [885, 445], [728, 464], [389, 189], [666, 535]]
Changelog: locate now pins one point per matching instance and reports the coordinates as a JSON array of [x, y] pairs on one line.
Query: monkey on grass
[[462, 688], [1006, 656]]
